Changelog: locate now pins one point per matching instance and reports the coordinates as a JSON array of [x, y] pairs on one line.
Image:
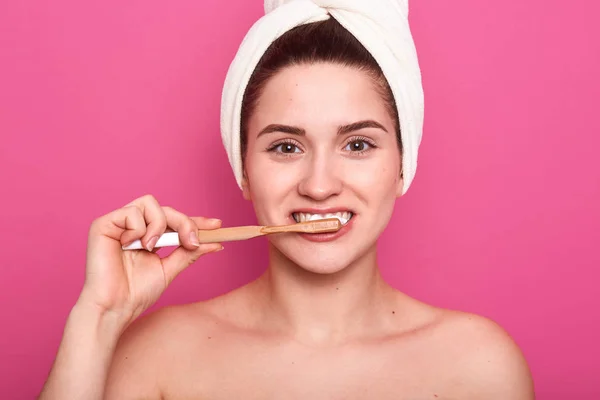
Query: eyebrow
[[355, 126], [344, 129], [283, 129]]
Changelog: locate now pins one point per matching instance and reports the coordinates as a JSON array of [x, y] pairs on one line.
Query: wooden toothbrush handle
[[229, 234]]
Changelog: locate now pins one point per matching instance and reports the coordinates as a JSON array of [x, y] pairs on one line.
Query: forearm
[[83, 360]]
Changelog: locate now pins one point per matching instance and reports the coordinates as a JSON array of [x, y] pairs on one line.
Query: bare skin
[[321, 323], [223, 350]]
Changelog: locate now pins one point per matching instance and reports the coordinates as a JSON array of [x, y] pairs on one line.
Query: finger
[[124, 224], [207, 223], [182, 258], [185, 227], [154, 217]]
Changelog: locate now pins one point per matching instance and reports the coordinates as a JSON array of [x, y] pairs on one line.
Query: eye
[[284, 147], [288, 148], [359, 145]]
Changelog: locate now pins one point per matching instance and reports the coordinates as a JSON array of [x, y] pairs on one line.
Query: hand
[[127, 282]]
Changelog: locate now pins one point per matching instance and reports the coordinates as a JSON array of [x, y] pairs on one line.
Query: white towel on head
[[381, 26]]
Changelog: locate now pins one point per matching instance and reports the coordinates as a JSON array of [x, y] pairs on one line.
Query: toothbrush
[[244, 232]]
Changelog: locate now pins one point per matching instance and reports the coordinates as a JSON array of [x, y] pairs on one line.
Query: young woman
[[320, 135]]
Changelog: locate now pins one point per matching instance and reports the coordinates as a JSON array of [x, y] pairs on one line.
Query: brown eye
[[288, 148], [358, 145], [285, 148]]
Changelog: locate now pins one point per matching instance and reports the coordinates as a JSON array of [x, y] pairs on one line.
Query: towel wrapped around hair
[[381, 26]]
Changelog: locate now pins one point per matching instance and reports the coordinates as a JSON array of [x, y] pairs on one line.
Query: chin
[[319, 258], [321, 267]]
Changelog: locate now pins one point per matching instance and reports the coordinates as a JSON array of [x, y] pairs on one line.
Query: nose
[[321, 178]]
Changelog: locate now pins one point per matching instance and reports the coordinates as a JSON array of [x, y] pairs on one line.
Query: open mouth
[[343, 216]]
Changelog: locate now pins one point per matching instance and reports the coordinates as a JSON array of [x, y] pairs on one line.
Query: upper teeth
[[343, 216]]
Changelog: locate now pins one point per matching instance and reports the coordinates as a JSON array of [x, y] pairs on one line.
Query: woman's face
[[322, 141]]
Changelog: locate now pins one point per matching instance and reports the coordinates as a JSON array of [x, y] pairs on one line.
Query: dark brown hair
[[318, 42]]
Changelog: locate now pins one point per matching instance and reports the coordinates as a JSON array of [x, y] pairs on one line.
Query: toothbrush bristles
[[325, 225]]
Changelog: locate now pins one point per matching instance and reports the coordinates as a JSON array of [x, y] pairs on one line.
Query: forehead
[[319, 96]]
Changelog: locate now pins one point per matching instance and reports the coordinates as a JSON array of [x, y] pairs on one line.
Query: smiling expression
[[321, 141]]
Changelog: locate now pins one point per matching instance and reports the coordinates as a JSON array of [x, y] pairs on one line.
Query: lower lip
[[328, 237]]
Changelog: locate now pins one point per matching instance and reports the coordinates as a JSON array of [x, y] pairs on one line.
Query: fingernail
[[194, 238], [217, 250], [151, 243], [215, 221]]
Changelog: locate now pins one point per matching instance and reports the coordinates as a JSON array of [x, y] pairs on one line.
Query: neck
[[324, 308]]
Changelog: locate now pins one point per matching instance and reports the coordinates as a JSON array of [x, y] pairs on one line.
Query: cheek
[[376, 178], [266, 177], [269, 183]]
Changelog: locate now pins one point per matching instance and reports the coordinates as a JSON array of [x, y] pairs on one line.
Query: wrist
[[89, 341], [105, 325]]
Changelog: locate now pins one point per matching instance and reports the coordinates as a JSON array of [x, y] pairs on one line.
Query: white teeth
[[344, 216]]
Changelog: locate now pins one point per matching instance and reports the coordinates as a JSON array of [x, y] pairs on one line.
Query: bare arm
[[495, 366], [84, 356], [119, 286], [507, 373]]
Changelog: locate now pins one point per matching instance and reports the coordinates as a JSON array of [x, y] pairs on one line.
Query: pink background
[[101, 102]]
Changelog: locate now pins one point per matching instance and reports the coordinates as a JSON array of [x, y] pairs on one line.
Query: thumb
[[181, 258]]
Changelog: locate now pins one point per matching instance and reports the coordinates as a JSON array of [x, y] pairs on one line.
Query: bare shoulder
[[147, 348], [488, 363], [141, 351], [165, 345]]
